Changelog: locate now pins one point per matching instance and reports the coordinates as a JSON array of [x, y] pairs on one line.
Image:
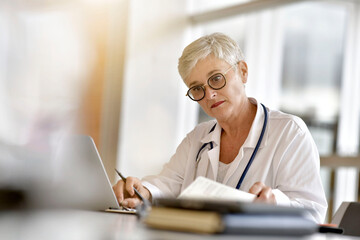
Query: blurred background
[[108, 69]]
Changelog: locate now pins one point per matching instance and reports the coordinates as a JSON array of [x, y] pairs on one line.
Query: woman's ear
[[243, 70]]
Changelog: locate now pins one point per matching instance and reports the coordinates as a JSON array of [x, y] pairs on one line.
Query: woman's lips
[[217, 104]]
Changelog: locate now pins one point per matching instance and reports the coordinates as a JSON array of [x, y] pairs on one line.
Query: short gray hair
[[218, 44]]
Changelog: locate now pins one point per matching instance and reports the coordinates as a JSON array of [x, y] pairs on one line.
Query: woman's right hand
[[125, 193]]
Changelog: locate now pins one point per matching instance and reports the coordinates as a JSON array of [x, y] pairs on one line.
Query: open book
[[204, 188], [206, 206]]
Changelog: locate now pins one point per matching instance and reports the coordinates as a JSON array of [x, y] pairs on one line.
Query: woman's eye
[[216, 78], [196, 89]]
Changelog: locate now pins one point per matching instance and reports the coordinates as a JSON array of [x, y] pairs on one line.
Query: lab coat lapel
[[208, 164], [213, 156], [210, 158]]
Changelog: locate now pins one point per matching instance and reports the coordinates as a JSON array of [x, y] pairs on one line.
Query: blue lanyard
[[252, 155]]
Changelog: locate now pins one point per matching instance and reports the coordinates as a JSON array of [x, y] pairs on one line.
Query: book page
[[204, 188]]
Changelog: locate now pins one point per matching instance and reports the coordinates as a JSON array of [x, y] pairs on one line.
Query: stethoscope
[[203, 147]]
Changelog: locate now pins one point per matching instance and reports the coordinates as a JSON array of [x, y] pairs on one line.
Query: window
[[312, 68]]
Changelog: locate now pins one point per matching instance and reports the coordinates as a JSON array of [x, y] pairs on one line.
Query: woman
[[283, 169]]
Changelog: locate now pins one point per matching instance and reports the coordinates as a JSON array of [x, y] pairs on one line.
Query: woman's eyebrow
[[195, 83], [209, 74], [212, 72]]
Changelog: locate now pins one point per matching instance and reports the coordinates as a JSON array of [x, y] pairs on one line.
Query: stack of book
[[204, 211]]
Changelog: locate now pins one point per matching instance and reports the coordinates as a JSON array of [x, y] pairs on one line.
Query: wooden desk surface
[[91, 225]]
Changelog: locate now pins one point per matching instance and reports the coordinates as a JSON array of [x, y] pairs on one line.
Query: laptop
[[80, 178]]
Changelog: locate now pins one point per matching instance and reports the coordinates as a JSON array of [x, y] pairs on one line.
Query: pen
[[145, 201]]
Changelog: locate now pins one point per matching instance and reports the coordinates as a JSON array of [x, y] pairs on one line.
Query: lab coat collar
[[256, 127], [213, 136]]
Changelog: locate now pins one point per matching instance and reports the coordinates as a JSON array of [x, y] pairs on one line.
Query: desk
[[92, 225]]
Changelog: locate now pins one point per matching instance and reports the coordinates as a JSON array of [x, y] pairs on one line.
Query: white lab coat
[[287, 161]]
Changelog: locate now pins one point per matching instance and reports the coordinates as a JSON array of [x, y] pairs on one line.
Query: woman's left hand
[[263, 192]]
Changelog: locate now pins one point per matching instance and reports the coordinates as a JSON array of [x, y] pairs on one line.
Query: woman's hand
[[264, 193], [125, 193]]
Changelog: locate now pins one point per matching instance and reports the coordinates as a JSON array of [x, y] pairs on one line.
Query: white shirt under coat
[[287, 161]]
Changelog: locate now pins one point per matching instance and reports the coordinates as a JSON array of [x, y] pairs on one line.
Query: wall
[[155, 112]]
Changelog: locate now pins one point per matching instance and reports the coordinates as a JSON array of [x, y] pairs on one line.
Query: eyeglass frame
[[203, 86]]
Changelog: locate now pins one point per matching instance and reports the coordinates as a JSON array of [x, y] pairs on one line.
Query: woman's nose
[[209, 92]]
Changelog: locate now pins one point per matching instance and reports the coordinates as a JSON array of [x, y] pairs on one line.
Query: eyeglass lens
[[216, 82]]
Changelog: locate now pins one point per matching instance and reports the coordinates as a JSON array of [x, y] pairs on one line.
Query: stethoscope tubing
[[255, 150], [253, 155]]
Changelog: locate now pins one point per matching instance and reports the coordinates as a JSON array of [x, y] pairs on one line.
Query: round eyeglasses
[[216, 82]]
